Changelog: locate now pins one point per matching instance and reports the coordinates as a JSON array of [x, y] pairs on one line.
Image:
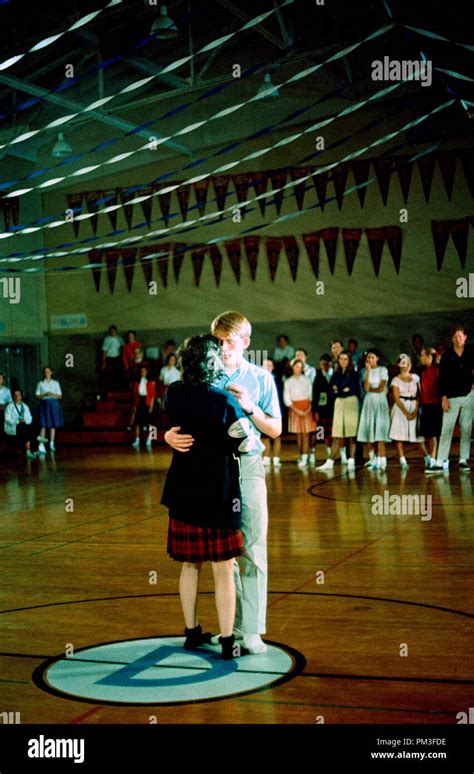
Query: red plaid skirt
[[190, 543]]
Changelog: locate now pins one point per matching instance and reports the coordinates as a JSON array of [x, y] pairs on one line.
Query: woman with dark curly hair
[[202, 488]]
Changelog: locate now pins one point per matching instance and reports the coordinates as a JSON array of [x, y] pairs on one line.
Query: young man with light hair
[[255, 390]]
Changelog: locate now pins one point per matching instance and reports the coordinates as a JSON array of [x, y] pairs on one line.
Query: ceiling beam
[[230, 6]]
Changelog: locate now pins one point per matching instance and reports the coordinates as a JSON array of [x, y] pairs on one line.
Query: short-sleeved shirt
[[51, 386], [112, 345], [5, 396], [261, 388], [376, 376]]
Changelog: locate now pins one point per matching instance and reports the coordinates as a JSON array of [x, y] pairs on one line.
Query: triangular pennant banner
[[459, 233], [216, 260], [183, 198], [351, 238], [447, 165], [126, 196], [440, 230], [200, 190], [383, 172], [339, 176], [129, 255], [312, 244], [376, 239], [466, 157], [426, 167], [394, 239], [329, 237], [360, 170], [162, 261], [197, 258], [233, 252], [292, 253], [299, 188], [252, 245], [74, 202], [113, 201], [112, 258], [147, 205], [179, 249], [95, 256], [165, 202], [242, 184], [320, 182], [147, 264], [278, 180], [91, 204], [260, 181], [221, 184], [404, 170], [273, 254]]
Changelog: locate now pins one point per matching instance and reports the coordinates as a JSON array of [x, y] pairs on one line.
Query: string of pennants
[[250, 245], [11, 211], [383, 167], [458, 230]]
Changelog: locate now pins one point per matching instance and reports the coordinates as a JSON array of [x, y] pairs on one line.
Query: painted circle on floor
[[157, 670]]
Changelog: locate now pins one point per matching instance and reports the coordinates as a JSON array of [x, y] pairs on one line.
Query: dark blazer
[[202, 486], [323, 398]]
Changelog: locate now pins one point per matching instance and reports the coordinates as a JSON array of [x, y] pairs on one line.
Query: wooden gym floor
[[377, 608]]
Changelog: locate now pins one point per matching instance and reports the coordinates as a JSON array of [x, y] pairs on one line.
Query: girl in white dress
[[297, 396], [48, 392], [406, 394], [374, 422]]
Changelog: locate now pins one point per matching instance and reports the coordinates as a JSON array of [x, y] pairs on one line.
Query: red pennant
[[459, 233], [216, 260], [183, 198], [320, 182], [147, 205], [447, 165], [233, 251], [91, 204], [162, 261], [252, 245], [112, 258], [147, 265], [129, 255], [164, 202], [360, 170], [15, 209], [376, 239], [278, 180], [405, 170], [242, 184], [292, 253], [426, 167], [95, 256], [74, 201], [112, 202], [300, 188], [197, 258], [329, 237], [440, 230], [221, 184], [339, 176], [312, 244], [351, 238], [179, 248], [127, 208], [200, 190], [383, 172], [273, 254], [394, 240], [260, 181], [466, 157]]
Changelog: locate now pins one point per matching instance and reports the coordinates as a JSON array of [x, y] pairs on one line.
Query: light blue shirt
[[261, 388]]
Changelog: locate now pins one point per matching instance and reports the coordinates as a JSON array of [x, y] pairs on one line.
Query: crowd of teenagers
[[353, 402]]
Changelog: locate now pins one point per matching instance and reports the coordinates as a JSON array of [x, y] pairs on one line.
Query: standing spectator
[[283, 352], [345, 388], [297, 397], [17, 424], [272, 446], [170, 373], [48, 391], [431, 417], [111, 358], [336, 348], [308, 370], [143, 402], [5, 398], [138, 361], [417, 342], [353, 349], [128, 351], [323, 402], [454, 386], [406, 396], [374, 422]]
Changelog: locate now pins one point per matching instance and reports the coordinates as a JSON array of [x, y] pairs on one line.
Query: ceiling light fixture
[[164, 25], [61, 148], [267, 89]]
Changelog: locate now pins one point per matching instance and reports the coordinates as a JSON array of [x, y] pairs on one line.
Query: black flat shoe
[[231, 649], [196, 637]]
